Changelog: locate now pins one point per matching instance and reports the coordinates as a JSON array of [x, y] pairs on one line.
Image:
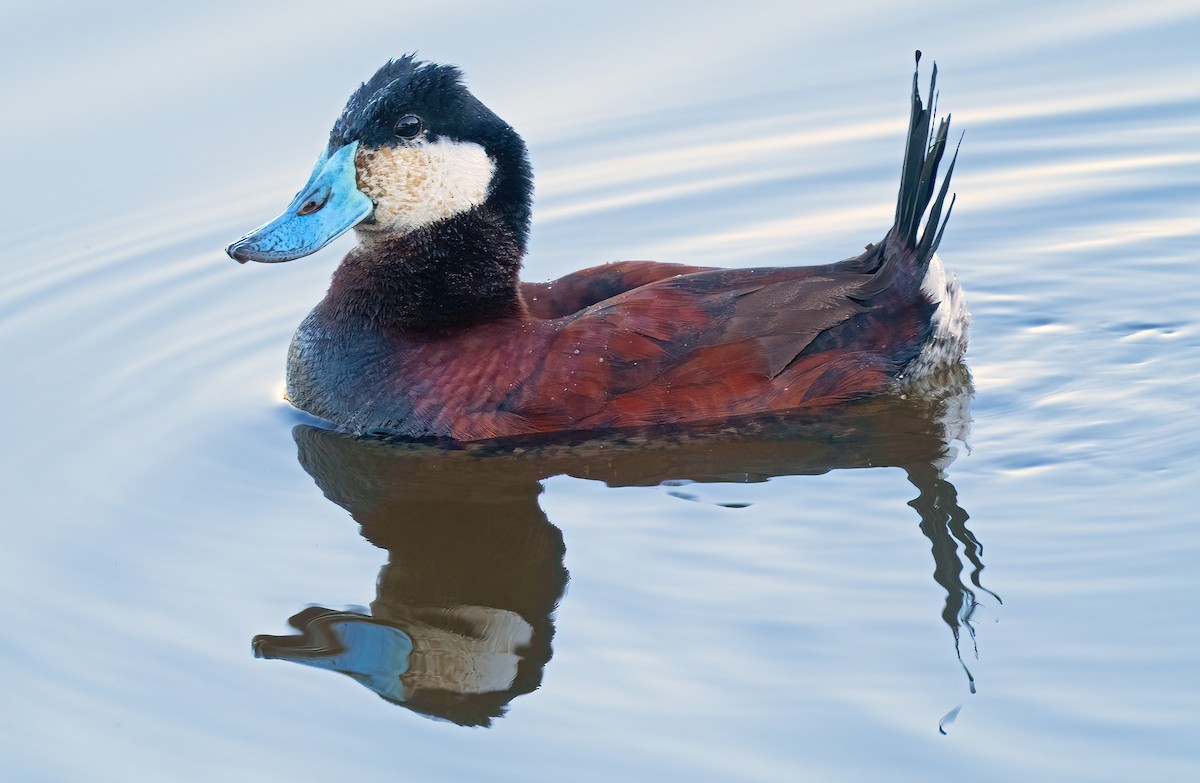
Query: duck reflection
[[462, 621]]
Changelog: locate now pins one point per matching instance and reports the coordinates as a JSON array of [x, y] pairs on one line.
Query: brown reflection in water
[[463, 617]]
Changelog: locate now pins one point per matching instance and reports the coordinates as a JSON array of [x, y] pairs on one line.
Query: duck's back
[[723, 343]]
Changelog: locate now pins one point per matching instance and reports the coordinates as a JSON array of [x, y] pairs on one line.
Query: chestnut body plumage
[[427, 331]]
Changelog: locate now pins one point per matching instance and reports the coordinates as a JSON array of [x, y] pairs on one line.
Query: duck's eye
[[409, 126]]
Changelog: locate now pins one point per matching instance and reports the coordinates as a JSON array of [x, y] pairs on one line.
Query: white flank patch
[[951, 323], [421, 183]]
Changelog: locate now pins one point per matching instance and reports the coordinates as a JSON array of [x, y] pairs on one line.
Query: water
[[716, 625]]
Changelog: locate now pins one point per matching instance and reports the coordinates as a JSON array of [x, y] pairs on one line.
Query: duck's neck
[[442, 279]]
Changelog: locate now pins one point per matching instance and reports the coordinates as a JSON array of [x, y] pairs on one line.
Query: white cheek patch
[[414, 186]]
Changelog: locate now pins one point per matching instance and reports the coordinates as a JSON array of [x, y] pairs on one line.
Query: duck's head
[[412, 148]]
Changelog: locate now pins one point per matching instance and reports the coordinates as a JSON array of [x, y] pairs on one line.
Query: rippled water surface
[[810, 601]]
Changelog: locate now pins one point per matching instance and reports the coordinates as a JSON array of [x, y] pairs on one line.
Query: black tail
[[922, 155]]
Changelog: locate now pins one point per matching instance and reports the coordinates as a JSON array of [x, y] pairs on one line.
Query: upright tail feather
[[922, 156]]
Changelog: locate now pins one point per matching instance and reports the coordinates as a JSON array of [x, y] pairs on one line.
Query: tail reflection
[[944, 523], [462, 621]]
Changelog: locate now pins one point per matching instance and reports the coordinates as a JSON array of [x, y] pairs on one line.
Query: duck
[[427, 331]]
